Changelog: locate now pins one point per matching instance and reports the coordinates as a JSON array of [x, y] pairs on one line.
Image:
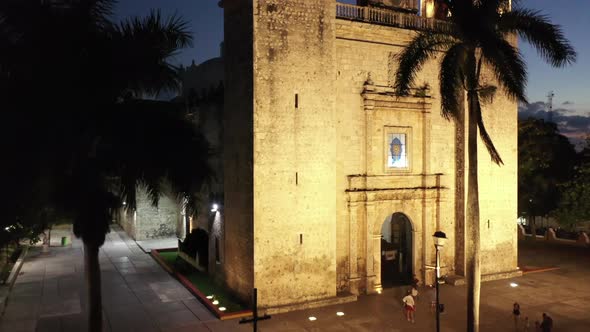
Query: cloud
[[533, 110], [567, 102], [564, 111], [568, 121]]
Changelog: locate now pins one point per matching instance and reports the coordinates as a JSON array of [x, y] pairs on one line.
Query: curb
[[12, 279], [200, 296]]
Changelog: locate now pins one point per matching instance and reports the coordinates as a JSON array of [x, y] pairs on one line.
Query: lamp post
[[439, 241]]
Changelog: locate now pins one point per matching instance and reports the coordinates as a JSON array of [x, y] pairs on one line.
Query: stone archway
[[397, 251]]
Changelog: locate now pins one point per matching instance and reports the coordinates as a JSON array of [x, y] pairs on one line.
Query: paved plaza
[[138, 295]]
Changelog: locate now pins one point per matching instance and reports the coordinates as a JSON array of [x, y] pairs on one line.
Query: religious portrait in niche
[[397, 155]]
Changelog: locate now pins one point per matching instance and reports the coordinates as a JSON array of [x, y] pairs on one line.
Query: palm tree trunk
[[472, 225], [94, 296]]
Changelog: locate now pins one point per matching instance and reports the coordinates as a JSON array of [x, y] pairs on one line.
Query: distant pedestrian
[[409, 306], [415, 293], [526, 325], [547, 323], [516, 313]]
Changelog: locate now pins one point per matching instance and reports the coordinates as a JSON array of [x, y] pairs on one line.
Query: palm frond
[[507, 64], [128, 187], [151, 144], [485, 137], [145, 47], [153, 187], [423, 47], [451, 78], [547, 38]]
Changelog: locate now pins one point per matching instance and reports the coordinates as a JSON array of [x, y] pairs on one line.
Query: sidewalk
[[139, 296], [49, 295]]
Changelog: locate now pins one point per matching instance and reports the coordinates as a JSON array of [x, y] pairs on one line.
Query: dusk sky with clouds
[[570, 84]]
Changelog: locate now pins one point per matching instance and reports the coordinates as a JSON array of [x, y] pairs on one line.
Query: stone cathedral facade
[[334, 185]]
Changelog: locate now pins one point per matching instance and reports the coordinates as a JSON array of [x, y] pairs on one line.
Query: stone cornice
[[384, 97]]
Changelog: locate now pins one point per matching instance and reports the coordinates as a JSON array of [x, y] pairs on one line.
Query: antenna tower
[[549, 105]]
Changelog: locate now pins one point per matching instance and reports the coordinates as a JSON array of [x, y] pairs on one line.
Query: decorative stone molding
[[384, 97]]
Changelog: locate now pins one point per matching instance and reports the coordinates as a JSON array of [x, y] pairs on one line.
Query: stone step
[[455, 280]]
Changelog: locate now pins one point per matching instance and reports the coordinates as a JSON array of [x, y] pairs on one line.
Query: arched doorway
[[396, 251]]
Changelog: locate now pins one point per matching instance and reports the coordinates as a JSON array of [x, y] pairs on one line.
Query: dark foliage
[[197, 242], [546, 159]]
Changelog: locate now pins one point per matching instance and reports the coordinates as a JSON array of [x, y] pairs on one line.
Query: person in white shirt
[[409, 306]]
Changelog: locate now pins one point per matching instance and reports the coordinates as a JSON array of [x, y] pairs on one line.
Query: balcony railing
[[388, 17], [407, 5]]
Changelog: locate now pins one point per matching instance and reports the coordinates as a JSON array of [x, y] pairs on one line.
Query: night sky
[[571, 85]]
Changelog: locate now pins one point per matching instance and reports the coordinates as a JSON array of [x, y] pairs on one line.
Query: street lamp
[[439, 242]]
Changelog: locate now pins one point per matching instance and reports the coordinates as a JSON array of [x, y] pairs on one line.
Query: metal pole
[[436, 281], [255, 304]]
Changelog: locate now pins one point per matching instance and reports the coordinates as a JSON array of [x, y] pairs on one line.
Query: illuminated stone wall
[[306, 187], [294, 151], [238, 154], [149, 222], [437, 148]]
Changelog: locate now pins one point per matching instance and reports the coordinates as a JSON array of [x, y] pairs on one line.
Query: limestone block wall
[[155, 222], [294, 151], [361, 49], [238, 206], [126, 219], [499, 185], [296, 129]]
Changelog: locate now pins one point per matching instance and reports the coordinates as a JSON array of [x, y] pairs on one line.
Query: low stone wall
[[550, 237]]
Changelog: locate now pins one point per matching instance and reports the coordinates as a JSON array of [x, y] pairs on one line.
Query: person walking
[[516, 314], [409, 306], [547, 323], [526, 325], [415, 293]]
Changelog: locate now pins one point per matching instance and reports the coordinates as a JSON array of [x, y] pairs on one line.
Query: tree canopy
[[546, 159]]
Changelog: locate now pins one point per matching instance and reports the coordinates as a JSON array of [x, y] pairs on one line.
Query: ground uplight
[[222, 309], [215, 302], [311, 318], [339, 313], [513, 284]]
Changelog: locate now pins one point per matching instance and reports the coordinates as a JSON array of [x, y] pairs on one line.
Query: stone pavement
[[139, 296]]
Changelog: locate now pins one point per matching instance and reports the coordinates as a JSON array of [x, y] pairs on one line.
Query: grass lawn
[[202, 282]]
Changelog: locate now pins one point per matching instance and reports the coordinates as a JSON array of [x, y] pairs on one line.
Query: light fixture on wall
[[214, 207]]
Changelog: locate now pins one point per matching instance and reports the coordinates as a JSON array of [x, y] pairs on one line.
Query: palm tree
[[135, 143], [477, 38], [69, 80]]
